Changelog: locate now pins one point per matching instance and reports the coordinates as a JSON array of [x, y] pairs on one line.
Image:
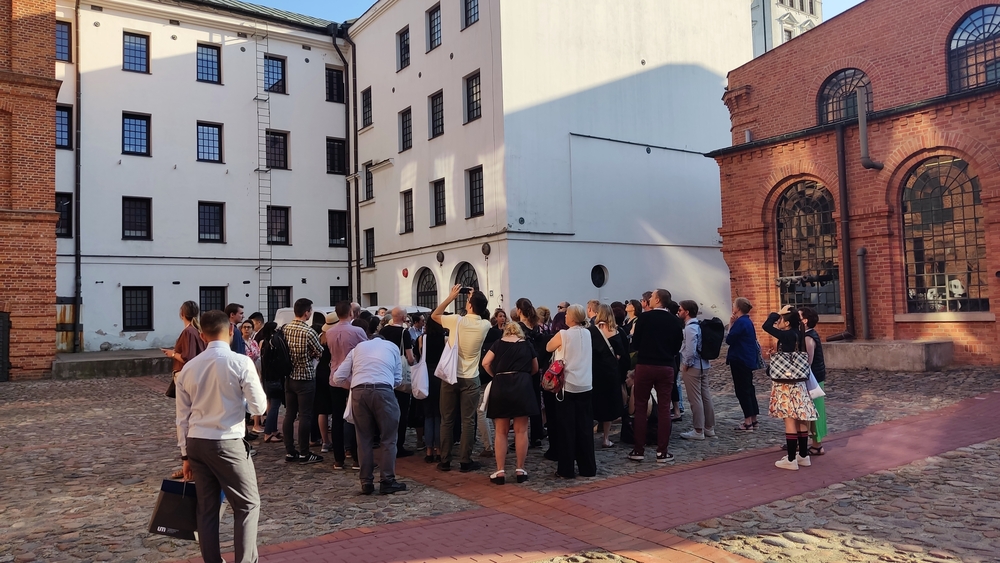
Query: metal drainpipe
[[847, 277], [357, 179], [866, 161], [863, 287], [77, 266], [334, 30]]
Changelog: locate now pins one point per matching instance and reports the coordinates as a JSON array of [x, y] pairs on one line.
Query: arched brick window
[[838, 99], [427, 289], [944, 244], [465, 276], [973, 50], [808, 275]]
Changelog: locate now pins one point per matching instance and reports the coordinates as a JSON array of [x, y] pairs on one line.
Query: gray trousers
[[460, 399], [376, 413], [299, 398], [225, 466]]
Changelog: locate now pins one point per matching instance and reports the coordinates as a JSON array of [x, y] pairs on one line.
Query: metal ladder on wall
[[262, 100]]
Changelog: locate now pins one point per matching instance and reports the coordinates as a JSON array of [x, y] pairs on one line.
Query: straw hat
[[331, 319]]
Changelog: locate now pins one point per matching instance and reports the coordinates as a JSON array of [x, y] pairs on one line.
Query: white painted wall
[[176, 181], [771, 18]]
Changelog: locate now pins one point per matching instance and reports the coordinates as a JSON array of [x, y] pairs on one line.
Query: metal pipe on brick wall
[[866, 161], [863, 289], [847, 275], [77, 165]]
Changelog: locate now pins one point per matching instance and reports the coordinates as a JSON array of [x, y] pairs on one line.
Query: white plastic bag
[[815, 391], [349, 411], [447, 368], [419, 383], [486, 397]]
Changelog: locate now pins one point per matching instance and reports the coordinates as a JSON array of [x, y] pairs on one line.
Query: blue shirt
[[237, 345], [373, 362], [742, 340]]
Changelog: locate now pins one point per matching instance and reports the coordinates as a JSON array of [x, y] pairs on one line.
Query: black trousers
[[338, 432], [746, 394], [536, 421], [403, 400], [551, 416], [575, 419]]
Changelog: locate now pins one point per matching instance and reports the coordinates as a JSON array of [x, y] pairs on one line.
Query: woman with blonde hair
[[544, 318], [511, 362], [575, 412], [607, 395]]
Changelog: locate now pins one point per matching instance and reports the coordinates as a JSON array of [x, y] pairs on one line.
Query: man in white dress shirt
[[214, 390], [373, 369]]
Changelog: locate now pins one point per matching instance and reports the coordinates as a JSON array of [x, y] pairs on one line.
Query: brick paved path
[[628, 515]]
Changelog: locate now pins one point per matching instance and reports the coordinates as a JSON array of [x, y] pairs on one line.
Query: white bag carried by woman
[[419, 383], [447, 368]]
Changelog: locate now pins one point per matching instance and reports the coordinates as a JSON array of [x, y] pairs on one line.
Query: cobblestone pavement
[[84, 460], [942, 508]]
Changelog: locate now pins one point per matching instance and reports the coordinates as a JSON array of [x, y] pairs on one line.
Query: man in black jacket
[[657, 339]]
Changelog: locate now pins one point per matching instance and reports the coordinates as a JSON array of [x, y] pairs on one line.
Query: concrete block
[[121, 363], [890, 355]]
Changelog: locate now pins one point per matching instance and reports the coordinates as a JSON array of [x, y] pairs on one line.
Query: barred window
[[64, 41], [369, 183], [408, 211], [366, 107], [137, 308], [405, 130], [135, 52], [277, 225], [974, 50], [440, 203], [437, 114], [465, 276], [471, 12], [211, 222], [208, 64], [434, 28], [339, 293], [64, 206], [808, 275], [427, 290], [838, 98], [64, 127], [369, 248], [336, 156], [476, 196], [135, 134], [473, 98], [944, 238], [277, 298], [277, 150], [209, 142], [137, 218], [212, 298], [335, 85], [338, 228], [403, 48], [274, 74]]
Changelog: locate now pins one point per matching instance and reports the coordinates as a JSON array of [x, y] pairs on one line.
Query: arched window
[[427, 289], [808, 275], [465, 276], [973, 50], [944, 244], [837, 97]]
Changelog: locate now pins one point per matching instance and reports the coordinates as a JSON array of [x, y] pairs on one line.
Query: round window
[[599, 276]]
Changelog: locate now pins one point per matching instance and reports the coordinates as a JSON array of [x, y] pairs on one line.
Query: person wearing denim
[[462, 398], [300, 386]]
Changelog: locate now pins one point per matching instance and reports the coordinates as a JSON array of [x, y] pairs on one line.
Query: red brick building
[[929, 217], [27, 178]]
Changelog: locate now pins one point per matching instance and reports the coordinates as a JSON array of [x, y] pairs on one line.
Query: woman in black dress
[[432, 343], [607, 395], [511, 362]]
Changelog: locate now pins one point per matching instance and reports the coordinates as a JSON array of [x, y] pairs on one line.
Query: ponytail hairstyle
[[527, 311], [190, 312]]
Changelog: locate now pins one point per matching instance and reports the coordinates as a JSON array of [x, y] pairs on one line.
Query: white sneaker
[[803, 461], [693, 435], [783, 463], [710, 432]]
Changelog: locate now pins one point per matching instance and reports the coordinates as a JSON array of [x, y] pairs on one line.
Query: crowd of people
[[344, 380]]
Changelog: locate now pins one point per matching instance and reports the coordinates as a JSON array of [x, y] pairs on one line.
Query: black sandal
[[744, 427], [813, 450]]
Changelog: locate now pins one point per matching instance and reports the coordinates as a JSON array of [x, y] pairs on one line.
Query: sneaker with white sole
[[710, 433], [310, 458], [325, 448], [803, 461], [783, 463], [664, 458], [693, 435], [636, 456]]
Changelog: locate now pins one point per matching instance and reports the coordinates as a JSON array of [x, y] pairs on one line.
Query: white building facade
[[776, 22], [541, 150], [210, 164]]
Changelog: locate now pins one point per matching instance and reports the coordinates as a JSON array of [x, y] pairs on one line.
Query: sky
[[340, 10]]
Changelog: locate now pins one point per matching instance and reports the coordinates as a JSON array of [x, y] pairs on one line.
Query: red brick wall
[[27, 179]]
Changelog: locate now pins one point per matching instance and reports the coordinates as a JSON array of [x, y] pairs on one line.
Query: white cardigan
[[579, 359]]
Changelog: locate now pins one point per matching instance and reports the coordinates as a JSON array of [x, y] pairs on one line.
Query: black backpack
[[276, 359], [713, 332]]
